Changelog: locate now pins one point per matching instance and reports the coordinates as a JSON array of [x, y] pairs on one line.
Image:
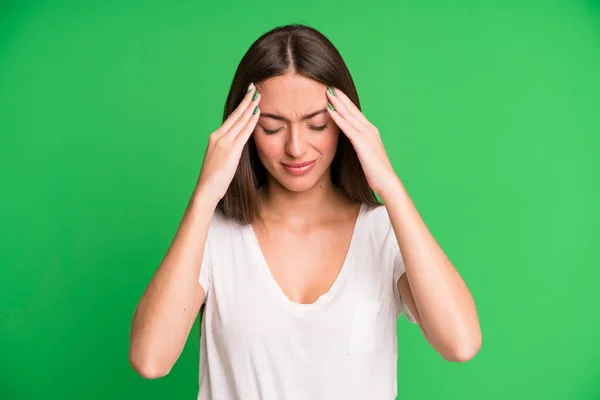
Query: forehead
[[291, 96]]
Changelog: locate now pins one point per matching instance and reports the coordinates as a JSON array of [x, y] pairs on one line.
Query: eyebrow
[[304, 117]]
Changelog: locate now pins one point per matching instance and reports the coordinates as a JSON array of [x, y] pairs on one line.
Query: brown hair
[[305, 51]]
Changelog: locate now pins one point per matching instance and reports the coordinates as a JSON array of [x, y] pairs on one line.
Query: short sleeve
[[399, 270], [205, 268]]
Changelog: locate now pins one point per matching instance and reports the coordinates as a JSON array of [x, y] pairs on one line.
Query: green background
[[490, 112]]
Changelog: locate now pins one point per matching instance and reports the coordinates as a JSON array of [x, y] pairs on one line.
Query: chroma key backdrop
[[489, 112]]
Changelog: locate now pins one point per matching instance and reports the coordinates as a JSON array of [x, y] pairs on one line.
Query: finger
[[244, 118], [244, 134], [349, 106], [348, 129], [344, 110], [235, 115]]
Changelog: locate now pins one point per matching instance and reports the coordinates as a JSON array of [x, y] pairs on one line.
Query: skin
[[299, 216], [306, 224], [431, 286], [169, 306]]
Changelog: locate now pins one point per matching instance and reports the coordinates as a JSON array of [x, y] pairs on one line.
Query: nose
[[296, 144]]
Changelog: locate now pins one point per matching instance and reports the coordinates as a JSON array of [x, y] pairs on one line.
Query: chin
[[298, 186]]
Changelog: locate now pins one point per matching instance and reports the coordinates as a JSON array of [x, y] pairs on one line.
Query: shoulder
[[376, 218], [377, 226], [221, 225]]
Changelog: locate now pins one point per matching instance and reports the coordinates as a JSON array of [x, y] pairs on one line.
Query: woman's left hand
[[365, 139]]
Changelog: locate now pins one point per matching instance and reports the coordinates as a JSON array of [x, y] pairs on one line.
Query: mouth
[[299, 168], [298, 165]]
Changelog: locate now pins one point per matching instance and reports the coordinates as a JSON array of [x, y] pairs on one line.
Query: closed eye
[[318, 128], [314, 128], [271, 132]]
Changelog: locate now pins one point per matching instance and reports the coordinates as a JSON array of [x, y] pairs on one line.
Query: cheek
[[327, 142], [267, 147]]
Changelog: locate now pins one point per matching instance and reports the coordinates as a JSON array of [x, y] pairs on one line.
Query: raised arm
[[431, 287], [168, 308]]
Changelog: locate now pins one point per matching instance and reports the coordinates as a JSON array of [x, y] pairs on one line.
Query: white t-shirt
[[256, 344]]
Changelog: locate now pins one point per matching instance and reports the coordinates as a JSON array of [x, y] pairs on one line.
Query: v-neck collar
[[274, 286]]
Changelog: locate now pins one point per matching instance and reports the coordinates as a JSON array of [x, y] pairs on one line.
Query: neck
[[312, 205]]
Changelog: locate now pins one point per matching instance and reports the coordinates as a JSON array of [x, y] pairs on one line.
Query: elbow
[[463, 351], [147, 366], [461, 356]]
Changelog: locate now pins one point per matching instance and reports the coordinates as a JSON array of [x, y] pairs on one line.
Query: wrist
[[204, 199], [391, 189]]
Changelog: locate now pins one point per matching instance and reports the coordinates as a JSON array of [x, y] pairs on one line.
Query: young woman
[[300, 271]]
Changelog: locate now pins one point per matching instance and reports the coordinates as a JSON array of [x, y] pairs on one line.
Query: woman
[[300, 269]]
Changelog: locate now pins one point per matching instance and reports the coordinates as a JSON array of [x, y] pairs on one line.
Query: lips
[[298, 165], [300, 168]]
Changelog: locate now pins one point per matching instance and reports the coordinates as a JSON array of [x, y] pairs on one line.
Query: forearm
[[445, 306], [168, 308]]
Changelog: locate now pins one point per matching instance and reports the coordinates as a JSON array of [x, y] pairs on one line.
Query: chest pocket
[[368, 326]]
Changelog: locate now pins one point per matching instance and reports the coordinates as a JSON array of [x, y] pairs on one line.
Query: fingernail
[[330, 106], [330, 90], [249, 88], [255, 110], [255, 95]]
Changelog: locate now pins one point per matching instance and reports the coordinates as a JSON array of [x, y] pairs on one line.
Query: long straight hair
[[305, 51]]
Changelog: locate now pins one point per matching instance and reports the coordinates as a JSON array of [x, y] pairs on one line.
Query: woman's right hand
[[225, 146]]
